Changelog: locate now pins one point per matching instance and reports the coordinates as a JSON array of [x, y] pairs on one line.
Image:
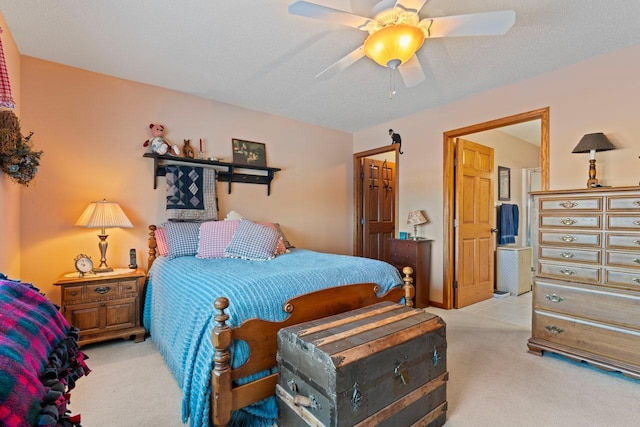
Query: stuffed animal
[[159, 143]]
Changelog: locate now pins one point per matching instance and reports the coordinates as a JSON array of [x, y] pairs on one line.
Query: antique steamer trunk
[[382, 365]]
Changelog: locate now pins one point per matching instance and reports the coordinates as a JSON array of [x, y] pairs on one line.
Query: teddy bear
[[159, 143]]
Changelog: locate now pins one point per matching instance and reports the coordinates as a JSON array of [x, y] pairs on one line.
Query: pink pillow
[[215, 236], [161, 242], [280, 248]]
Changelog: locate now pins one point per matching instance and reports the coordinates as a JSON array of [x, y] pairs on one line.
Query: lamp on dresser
[[416, 218], [103, 215], [590, 143]]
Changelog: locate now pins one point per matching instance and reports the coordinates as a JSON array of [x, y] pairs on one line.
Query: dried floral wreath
[[17, 157]]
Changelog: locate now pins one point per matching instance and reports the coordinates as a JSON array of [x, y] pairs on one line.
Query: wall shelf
[[227, 172]]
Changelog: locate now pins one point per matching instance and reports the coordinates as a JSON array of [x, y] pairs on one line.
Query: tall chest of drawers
[[586, 295]]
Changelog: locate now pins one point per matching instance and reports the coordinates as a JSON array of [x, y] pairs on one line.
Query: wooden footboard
[[261, 336]]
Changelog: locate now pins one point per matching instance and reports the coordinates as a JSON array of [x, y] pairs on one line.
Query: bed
[[215, 320], [39, 359]]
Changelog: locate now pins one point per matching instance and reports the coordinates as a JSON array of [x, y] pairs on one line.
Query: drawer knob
[[74, 294], [567, 272], [568, 204], [635, 279], [636, 222], [568, 238], [102, 290], [554, 298], [554, 329], [568, 221], [566, 255], [636, 202], [637, 242], [129, 287], [636, 260]]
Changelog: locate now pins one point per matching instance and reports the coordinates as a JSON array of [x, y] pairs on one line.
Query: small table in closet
[[417, 255]]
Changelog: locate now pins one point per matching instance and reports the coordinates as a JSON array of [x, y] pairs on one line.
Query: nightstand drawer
[[128, 287], [100, 291], [73, 293]]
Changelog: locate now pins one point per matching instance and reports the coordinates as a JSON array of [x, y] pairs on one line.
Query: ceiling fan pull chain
[[392, 82]]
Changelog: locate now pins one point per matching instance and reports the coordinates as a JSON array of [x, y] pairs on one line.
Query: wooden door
[[475, 216], [378, 199]]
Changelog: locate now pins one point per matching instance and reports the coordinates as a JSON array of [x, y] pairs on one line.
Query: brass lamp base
[[592, 182]]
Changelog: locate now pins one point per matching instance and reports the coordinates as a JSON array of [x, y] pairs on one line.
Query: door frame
[[449, 138], [357, 192]]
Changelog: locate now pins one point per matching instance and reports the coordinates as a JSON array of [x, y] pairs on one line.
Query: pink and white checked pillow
[[161, 242], [215, 236]]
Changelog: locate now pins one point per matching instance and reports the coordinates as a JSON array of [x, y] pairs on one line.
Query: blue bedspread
[[179, 310]]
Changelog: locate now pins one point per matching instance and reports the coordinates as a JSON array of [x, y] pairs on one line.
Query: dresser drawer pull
[[635, 279], [568, 221], [554, 298], [637, 242], [568, 238], [128, 288], [636, 260], [636, 222], [568, 205], [554, 329], [74, 294], [102, 290], [567, 255], [636, 202], [567, 272]]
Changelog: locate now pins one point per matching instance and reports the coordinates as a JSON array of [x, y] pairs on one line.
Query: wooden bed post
[[152, 244], [409, 290], [221, 396]]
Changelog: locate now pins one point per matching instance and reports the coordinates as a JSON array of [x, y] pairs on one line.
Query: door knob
[[494, 230]]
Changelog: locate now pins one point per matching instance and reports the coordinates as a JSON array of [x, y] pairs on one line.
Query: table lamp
[[590, 143], [102, 215], [416, 218]]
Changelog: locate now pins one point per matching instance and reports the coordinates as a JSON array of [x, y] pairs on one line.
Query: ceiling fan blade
[[474, 24], [312, 10], [411, 72], [411, 5], [342, 64]]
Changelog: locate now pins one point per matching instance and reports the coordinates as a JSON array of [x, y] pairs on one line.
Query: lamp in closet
[[415, 218]]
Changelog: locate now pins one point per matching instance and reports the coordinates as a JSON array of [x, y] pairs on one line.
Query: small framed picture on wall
[[504, 183]]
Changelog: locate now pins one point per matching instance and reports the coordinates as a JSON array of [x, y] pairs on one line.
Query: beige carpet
[[493, 382]]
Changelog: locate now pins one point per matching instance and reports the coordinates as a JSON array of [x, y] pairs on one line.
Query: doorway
[[451, 246], [375, 183]]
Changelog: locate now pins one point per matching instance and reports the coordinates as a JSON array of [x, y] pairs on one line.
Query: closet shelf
[[227, 172]]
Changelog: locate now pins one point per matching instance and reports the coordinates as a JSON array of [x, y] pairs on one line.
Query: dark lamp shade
[[593, 141]]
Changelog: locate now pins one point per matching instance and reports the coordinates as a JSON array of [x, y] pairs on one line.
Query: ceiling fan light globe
[[393, 43]]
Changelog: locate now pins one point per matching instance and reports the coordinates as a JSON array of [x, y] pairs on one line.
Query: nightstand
[[105, 305], [417, 255]]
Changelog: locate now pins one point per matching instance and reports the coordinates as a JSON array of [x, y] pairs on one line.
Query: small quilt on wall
[[191, 193]]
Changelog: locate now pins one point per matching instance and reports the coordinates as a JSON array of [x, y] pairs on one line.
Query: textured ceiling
[[253, 54]]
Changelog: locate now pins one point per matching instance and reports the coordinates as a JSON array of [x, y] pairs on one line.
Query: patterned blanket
[[39, 359], [179, 311]]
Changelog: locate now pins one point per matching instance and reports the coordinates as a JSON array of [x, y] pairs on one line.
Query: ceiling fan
[[396, 32]]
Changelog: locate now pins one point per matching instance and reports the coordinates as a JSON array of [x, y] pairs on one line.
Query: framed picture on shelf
[[504, 183], [249, 153]]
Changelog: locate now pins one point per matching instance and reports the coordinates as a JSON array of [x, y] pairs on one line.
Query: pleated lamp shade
[[104, 215]]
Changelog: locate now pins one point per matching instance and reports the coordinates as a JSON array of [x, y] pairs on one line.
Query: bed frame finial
[[409, 290]]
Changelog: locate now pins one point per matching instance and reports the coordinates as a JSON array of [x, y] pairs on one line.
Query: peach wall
[[597, 95], [92, 127], [10, 191]]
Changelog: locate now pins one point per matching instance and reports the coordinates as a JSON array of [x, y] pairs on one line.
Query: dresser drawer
[[622, 259], [627, 279], [623, 222], [404, 247], [623, 203], [570, 254], [570, 238], [610, 342], [569, 272], [596, 303], [623, 241], [571, 203], [573, 221]]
